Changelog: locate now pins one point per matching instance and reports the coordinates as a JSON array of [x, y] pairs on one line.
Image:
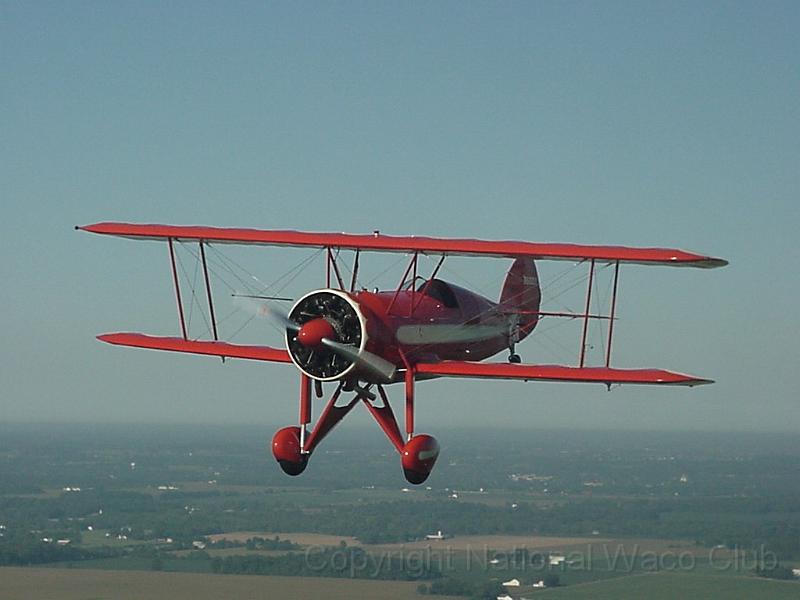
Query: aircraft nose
[[312, 333]]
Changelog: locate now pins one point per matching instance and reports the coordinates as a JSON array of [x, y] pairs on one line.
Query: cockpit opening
[[439, 290]]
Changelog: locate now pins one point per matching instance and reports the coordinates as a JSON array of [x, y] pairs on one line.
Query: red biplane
[[425, 328]]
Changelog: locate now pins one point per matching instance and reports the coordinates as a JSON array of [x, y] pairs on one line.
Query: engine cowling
[[323, 313], [418, 458]]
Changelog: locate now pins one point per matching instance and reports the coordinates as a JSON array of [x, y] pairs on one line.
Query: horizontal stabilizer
[[210, 348], [606, 375]]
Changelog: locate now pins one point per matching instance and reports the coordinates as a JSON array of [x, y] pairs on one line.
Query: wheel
[[514, 359], [286, 450], [418, 457]]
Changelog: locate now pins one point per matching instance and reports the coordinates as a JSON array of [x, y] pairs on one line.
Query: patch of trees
[[30, 550], [276, 543]]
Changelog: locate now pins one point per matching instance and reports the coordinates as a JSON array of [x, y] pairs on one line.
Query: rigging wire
[[290, 275], [192, 290], [220, 260], [229, 266], [401, 258]]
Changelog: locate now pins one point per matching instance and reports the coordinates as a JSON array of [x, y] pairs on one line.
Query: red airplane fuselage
[[445, 321], [367, 336]]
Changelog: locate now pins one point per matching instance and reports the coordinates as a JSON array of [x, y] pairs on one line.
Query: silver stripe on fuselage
[[412, 335]]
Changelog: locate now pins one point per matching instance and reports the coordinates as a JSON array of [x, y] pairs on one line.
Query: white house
[[512, 583], [556, 559], [505, 597]]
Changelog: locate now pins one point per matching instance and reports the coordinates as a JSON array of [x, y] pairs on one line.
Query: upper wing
[[392, 243], [607, 375], [139, 340]]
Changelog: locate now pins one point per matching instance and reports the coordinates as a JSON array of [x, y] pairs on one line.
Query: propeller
[[363, 358], [327, 323], [279, 317]]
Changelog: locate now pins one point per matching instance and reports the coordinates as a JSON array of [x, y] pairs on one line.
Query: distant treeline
[[748, 523]]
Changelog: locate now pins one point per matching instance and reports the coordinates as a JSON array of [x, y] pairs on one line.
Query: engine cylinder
[[331, 314]]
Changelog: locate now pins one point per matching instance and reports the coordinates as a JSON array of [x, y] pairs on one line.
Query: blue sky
[[673, 124]]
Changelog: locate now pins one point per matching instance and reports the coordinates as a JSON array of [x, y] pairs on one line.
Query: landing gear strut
[[292, 446], [513, 357]]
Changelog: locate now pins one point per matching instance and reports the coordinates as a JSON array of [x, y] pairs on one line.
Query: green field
[[678, 586]]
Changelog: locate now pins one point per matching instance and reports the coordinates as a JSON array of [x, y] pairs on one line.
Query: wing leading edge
[[209, 348], [379, 242], [606, 375]]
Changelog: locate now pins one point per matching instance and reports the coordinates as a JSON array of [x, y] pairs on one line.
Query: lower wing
[[447, 368], [175, 344], [606, 375]]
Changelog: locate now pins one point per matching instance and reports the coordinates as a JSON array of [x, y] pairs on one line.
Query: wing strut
[[331, 261], [208, 293], [412, 263], [177, 288], [613, 313], [430, 279], [354, 277], [586, 313]]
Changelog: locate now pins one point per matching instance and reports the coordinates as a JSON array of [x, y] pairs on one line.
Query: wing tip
[[713, 263], [110, 338]]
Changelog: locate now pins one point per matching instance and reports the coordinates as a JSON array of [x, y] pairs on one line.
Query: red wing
[[390, 243], [454, 368], [139, 340]]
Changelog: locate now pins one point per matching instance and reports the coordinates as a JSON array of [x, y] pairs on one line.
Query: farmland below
[[603, 514]]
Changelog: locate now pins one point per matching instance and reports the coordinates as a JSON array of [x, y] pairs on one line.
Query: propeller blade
[[366, 359], [279, 317], [262, 309]]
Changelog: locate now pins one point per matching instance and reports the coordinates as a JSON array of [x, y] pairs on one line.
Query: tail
[[521, 296]]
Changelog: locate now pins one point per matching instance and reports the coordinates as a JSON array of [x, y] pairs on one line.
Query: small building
[[512, 583], [556, 559], [539, 584], [505, 597], [796, 572], [436, 536], [199, 545]]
